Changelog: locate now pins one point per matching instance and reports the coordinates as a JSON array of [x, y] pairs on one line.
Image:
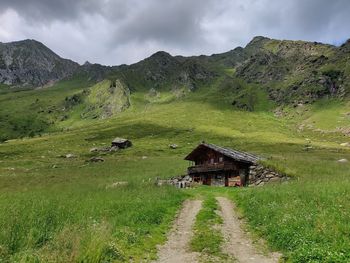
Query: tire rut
[[176, 249], [237, 243]]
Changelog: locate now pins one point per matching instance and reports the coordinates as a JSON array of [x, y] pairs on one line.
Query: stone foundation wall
[[182, 181], [260, 175]]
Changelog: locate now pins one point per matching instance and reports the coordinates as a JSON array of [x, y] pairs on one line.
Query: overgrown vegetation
[[207, 237]]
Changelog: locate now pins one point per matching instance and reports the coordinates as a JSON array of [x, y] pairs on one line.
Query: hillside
[[286, 101], [265, 74], [30, 63]]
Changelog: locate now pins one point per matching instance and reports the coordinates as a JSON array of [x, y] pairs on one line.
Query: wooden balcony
[[203, 168]]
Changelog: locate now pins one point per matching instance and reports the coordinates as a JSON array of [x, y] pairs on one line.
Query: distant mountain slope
[[163, 71], [288, 71], [265, 75], [296, 70], [31, 63]]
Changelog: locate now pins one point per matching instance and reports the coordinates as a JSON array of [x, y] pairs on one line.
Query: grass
[[207, 237], [31, 112], [308, 222], [330, 115], [126, 220], [65, 210]]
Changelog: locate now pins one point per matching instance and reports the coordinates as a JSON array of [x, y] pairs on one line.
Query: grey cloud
[[119, 31], [42, 11], [166, 21]]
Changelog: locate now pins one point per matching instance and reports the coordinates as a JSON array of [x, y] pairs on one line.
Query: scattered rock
[[173, 146], [96, 159], [113, 148], [144, 157], [308, 148], [342, 161], [92, 150], [345, 144], [70, 156], [278, 112], [104, 149], [182, 181], [54, 166], [116, 184]]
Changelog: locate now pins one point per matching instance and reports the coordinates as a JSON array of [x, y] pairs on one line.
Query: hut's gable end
[[210, 153], [209, 156]]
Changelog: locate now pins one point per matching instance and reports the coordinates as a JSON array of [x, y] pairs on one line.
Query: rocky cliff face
[[296, 71], [30, 63]]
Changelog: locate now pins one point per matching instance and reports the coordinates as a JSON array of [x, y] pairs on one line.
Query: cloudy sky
[[114, 32]]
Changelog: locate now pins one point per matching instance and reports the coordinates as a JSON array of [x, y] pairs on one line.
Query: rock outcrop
[[30, 63]]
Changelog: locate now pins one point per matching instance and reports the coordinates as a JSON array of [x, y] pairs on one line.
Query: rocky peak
[[161, 57], [257, 41], [31, 63], [346, 46], [87, 63]]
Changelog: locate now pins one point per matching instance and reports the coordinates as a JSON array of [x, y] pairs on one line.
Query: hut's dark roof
[[119, 140], [233, 154]]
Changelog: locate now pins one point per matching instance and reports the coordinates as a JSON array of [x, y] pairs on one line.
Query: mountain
[[296, 70], [289, 71], [165, 72], [30, 63]]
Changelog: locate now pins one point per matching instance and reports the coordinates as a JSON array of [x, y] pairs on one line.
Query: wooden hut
[[215, 165], [121, 143]]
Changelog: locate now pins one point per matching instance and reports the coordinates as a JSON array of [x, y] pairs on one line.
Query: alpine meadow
[[67, 195]]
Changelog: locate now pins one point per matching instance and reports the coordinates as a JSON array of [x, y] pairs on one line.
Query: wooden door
[[226, 180], [207, 180]]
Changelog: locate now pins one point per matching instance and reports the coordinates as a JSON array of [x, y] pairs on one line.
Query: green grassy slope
[[68, 210], [33, 112]]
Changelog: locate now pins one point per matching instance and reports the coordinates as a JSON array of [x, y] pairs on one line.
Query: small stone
[[70, 155], [345, 144], [96, 159], [116, 184], [270, 175], [173, 146], [114, 149], [144, 157], [275, 179], [54, 166], [94, 150], [342, 161]]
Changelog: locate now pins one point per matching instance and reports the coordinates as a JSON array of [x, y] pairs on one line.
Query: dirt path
[[176, 249], [237, 243]]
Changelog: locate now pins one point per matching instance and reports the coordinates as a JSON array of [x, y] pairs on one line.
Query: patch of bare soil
[[237, 242], [176, 249]]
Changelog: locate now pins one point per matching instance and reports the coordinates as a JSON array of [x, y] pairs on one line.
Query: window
[[221, 159], [211, 160]]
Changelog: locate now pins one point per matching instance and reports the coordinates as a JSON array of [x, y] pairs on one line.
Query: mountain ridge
[[289, 70]]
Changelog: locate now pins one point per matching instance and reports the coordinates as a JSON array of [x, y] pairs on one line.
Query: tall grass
[[64, 210], [101, 224]]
